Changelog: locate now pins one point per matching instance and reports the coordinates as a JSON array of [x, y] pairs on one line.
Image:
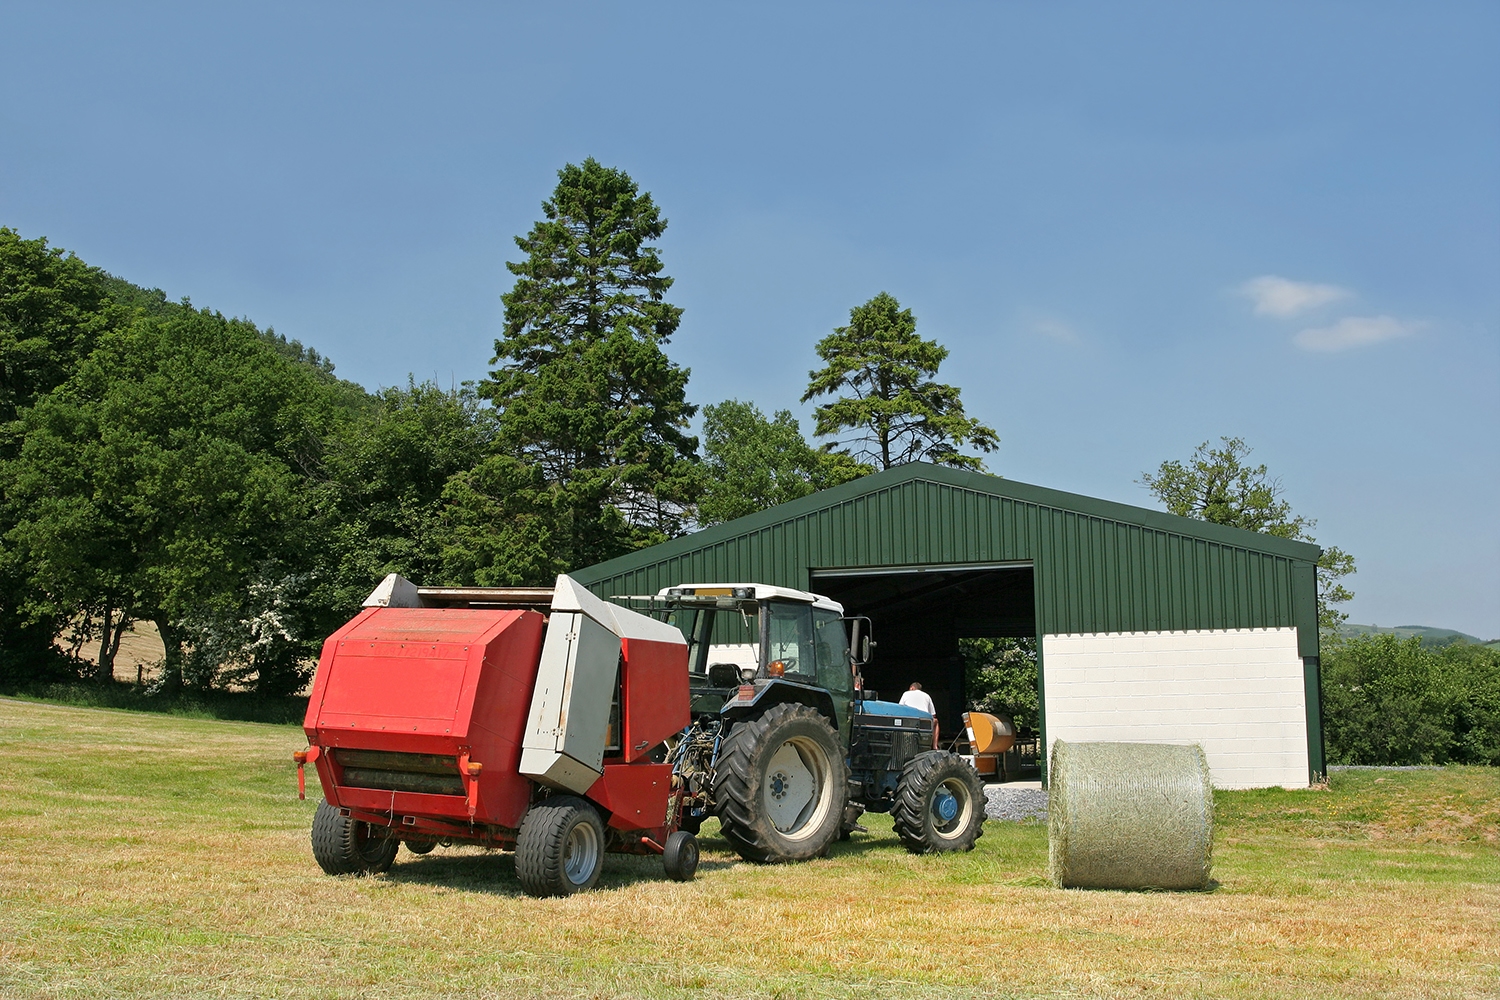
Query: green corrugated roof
[[975, 482]]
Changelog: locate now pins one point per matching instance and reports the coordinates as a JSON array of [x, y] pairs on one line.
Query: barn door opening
[[920, 614]]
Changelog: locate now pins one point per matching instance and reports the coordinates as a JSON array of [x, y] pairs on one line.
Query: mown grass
[[238, 706], [149, 855]]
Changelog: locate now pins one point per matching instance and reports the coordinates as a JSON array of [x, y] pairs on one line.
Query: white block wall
[[1236, 692]]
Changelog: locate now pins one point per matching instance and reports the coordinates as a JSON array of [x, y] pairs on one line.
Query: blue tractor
[[785, 746]]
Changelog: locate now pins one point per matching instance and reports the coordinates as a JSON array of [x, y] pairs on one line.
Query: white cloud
[[1056, 329], [1281, 297], [1355, 331]]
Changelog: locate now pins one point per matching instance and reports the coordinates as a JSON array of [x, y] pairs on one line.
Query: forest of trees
[[163, 463]]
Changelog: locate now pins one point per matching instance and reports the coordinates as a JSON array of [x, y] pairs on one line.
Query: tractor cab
[[748, 642]]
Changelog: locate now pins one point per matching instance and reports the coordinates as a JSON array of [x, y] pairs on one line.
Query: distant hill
[[1430, 636]]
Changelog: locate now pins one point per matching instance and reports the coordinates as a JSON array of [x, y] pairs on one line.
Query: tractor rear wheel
[[344, 846], [560, 847], [780, 785], [939, 804]]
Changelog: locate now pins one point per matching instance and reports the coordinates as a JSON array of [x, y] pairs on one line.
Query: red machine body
[[418, 716]]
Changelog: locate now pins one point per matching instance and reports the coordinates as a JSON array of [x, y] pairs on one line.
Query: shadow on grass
[[494, 872], [231, 706]]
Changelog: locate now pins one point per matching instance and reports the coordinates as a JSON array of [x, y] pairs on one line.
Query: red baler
[[530, 720]]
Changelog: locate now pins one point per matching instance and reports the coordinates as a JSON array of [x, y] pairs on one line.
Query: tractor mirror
[[859, 640]]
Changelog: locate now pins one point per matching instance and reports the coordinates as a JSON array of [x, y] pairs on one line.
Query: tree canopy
[[889, 403], [162, 476], [751, 463], [1219, 486]]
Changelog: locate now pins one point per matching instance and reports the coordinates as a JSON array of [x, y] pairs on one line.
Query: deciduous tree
[[1218, 485], [160, 478], [751, 463]]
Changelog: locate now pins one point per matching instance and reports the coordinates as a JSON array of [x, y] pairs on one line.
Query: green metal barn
[[1151, 627]]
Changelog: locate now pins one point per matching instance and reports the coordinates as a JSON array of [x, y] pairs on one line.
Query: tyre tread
[[735, 791], [541, 841], [908, 815]]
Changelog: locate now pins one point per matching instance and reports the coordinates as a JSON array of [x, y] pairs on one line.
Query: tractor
[[786, 747], [558, 725]]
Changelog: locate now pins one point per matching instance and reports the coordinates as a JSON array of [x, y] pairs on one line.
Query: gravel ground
[[1015, 803]]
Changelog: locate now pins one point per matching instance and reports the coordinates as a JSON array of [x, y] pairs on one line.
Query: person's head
[[915, 686]]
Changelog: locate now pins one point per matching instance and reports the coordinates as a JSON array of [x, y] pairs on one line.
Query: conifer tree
[[583, 389], [896, 411]]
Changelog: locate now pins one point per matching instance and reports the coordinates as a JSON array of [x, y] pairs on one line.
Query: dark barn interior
[[917, 615]]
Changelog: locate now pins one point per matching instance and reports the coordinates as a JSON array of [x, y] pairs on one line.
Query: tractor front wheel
[[560, 847], [344, 846], [780, 785], [939, 804]]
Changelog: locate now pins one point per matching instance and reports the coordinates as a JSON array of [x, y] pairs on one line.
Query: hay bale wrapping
[[1129, 816]]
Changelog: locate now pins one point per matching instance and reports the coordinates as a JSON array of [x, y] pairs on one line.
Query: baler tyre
[[680, 858], [420, 846], [560, 847], [939, 804], [345, 846], [781, 784]]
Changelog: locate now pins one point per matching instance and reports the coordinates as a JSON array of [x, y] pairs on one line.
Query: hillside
[[1429, 635]]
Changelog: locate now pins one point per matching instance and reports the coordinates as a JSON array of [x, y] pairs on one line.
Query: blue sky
[[1137, 227]]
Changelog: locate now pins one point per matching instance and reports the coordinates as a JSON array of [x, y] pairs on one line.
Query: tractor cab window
[[695, 625], [720, 635], [832, 644], [789, 638]]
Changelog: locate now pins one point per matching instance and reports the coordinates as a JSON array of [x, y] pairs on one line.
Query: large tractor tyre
[[939, 804], [560, 847], [344, 846], [780, 785]]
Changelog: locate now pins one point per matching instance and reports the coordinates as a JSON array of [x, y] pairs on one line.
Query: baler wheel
[[939, 804], [344, 846], [421, 846], [681, 856], [781, 784], [560, 847]]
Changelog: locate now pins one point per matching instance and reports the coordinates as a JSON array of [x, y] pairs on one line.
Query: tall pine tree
[[583, 390]]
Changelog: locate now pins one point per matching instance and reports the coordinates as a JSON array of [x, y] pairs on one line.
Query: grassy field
[[147, 855]]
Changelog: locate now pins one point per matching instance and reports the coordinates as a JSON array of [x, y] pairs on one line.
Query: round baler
[[540, 727]]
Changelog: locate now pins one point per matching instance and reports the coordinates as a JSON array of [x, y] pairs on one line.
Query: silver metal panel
[[570, 706], [557, 770], [590, 687]]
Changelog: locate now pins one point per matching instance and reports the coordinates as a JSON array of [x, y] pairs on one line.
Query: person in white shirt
[[916, 698]]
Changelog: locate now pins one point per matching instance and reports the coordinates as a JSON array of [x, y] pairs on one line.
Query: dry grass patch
[[158, 856]]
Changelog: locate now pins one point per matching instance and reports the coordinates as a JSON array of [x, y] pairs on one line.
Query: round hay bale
[[1129, 816]]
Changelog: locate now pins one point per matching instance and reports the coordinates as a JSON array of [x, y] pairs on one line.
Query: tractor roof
[[750, 591]]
